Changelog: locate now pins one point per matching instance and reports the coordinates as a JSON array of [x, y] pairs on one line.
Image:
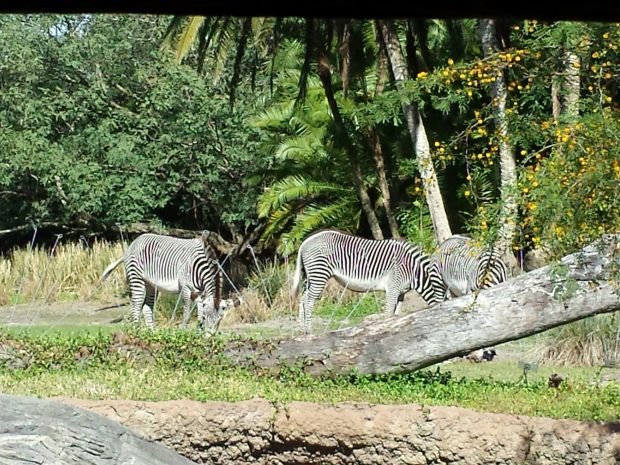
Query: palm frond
[[294, 188], [173, 29], [225, 44], [302, 148], [188, 37], [343, 213]]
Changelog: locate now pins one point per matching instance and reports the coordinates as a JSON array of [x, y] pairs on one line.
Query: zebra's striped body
[[359, 264], [465, 267], [171, 265]]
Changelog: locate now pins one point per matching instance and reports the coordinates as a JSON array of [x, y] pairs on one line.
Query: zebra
[[392, 265], [171, 265], [466, 268]]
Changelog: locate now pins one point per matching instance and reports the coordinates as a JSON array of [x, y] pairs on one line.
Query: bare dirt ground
[[70, 313]]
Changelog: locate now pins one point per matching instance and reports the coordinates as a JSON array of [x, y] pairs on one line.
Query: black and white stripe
[[359, 264]]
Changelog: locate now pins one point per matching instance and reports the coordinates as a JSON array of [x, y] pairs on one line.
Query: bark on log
[[46, 432], [578, 287]]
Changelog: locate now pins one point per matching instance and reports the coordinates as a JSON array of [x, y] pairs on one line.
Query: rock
[[260, 432], [38, 431]]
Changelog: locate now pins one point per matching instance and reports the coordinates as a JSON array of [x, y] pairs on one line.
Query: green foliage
[[571, 193], [97, 127]]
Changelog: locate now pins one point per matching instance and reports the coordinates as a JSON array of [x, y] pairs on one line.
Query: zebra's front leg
[[186, 295], [391, 302]]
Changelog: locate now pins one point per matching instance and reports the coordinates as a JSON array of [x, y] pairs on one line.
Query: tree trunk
[[512, 310], [375, 145], [418, 134], [356, 171], [565, 90], [508, 162]]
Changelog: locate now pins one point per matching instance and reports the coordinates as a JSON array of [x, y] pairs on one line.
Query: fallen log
[[42, 431], [578, 287]]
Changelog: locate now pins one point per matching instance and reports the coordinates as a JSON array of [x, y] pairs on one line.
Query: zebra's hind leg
[[138, 294], [399, 305], [149, 306], [314, 288]]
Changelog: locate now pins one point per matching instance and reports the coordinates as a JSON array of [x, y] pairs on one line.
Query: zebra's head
[[213, 316]]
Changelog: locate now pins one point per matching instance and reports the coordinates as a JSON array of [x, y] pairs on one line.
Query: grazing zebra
[[359, 264], [171, 265], [465, 267]]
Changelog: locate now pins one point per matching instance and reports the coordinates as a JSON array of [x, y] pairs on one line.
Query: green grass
[[156, 383], [62, 329], [185, 366]]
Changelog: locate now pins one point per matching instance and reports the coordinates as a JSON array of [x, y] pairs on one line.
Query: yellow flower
[[525, 190], [532, 206], [422, 74], [450, 62], [523, 152], [467, 193], [535, 184], [437, 144]]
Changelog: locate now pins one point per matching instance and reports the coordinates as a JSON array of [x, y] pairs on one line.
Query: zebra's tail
[[297, 277], [110, 268]]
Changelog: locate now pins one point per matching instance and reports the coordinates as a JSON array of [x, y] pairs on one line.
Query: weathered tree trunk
[[507, 162], [46, 432], [512, 310], [418, 134], [375, 145], [356, 172]]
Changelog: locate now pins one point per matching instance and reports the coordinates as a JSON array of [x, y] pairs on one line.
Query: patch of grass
[[168, 365], [160, 383], [510, 372], [353, 309], [65, 330]]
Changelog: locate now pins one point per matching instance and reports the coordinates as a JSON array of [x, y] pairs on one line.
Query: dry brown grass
[[588, 342], [73, 272]]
